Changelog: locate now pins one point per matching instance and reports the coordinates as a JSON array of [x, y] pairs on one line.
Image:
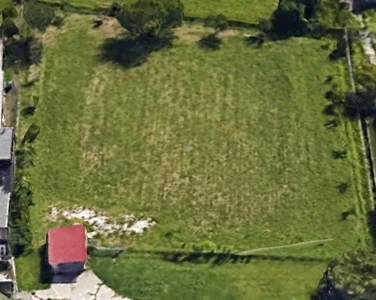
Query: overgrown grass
[[245, 10], [228, 146]]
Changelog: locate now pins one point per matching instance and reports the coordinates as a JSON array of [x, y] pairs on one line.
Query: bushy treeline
[[22, 194], [352, 276]]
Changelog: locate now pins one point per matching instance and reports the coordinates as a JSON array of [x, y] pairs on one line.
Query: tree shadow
[[29, 84], [28, 111], [332, 124], [329, 110], [130, 52], [343, 187], [45, 275], [339, 154], [372, 225], [347, 213], [22, 52], [218, 259], [210, 42]]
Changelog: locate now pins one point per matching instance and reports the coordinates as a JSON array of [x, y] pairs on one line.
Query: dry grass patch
[[109, 29]]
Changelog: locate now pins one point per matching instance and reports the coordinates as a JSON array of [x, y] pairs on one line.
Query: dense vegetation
[[350, 277]]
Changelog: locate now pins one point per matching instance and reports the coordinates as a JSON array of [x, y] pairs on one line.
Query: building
[[358, 6], [67, 249], [6, 145], [4, 216]]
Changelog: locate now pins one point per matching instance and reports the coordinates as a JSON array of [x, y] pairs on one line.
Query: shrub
[[210, 42], [8, 28], [9, 12], [265, 26], [218, 22]]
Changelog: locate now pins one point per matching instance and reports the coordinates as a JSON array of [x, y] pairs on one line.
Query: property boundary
[[364, 132], [101, 10]]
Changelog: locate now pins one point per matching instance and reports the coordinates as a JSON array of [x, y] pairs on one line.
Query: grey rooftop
[[4, 210], [6, 141]]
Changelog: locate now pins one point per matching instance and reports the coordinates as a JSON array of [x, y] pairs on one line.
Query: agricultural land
[[225, 146]]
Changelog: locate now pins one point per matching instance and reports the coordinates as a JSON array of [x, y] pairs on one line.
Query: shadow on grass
[[372, 225], [45, 275], [329, 110], [130, 52], [217, 259], [23, 52]]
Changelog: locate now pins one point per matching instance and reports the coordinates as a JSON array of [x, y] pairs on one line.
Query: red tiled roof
[[67, 244]]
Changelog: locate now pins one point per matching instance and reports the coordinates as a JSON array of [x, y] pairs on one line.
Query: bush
[[22, 196], [265, 26], [8, 28], [218, 22], [58, 21], [9, 12], [114, 8]]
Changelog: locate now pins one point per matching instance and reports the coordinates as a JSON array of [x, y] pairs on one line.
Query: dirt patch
[[48, 38], [192, 33], [109, 29], [228, 32]]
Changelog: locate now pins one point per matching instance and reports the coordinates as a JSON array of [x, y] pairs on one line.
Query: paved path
[[87, 287]]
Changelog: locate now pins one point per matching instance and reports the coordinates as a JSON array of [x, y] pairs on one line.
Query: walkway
[[87, 287]]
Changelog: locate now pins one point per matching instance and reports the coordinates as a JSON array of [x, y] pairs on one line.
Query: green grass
[[245, 10], [228, 146], [27, 268], [147, 278]]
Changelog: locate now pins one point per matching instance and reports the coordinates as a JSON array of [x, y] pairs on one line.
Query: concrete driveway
[[87, 287]]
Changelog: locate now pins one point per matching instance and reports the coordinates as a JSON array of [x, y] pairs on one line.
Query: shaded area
[[22, 52], [219, 258], [45, 275], [130, 52], [210, 42], [372, 225]]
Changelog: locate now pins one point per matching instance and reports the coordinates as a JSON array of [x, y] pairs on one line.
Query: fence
[[2, 81], [363, 129]]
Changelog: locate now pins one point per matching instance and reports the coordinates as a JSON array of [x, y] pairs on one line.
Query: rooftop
[[67, 244], [6, 141], [4, 210]]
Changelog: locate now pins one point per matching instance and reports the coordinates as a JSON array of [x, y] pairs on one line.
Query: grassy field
[[228, 146], [245, 10]]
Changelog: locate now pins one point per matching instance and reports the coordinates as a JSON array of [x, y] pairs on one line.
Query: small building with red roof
[[67, 249]]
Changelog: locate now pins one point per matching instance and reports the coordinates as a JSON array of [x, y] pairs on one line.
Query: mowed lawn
[[245, 10], [228, 146]]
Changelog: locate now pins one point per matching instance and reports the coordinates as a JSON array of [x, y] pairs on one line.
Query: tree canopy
[[299, 17], [38, 16], [150, 17], [350, 277]]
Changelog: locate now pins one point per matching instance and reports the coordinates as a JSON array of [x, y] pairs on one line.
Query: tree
[[38, 16], [218, 23], [363, 101], [350, 277], [8, 28], [265, 26], [9, 12], [150, 18]]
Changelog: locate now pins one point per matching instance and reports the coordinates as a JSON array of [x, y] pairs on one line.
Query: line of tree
[[22, 194]]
